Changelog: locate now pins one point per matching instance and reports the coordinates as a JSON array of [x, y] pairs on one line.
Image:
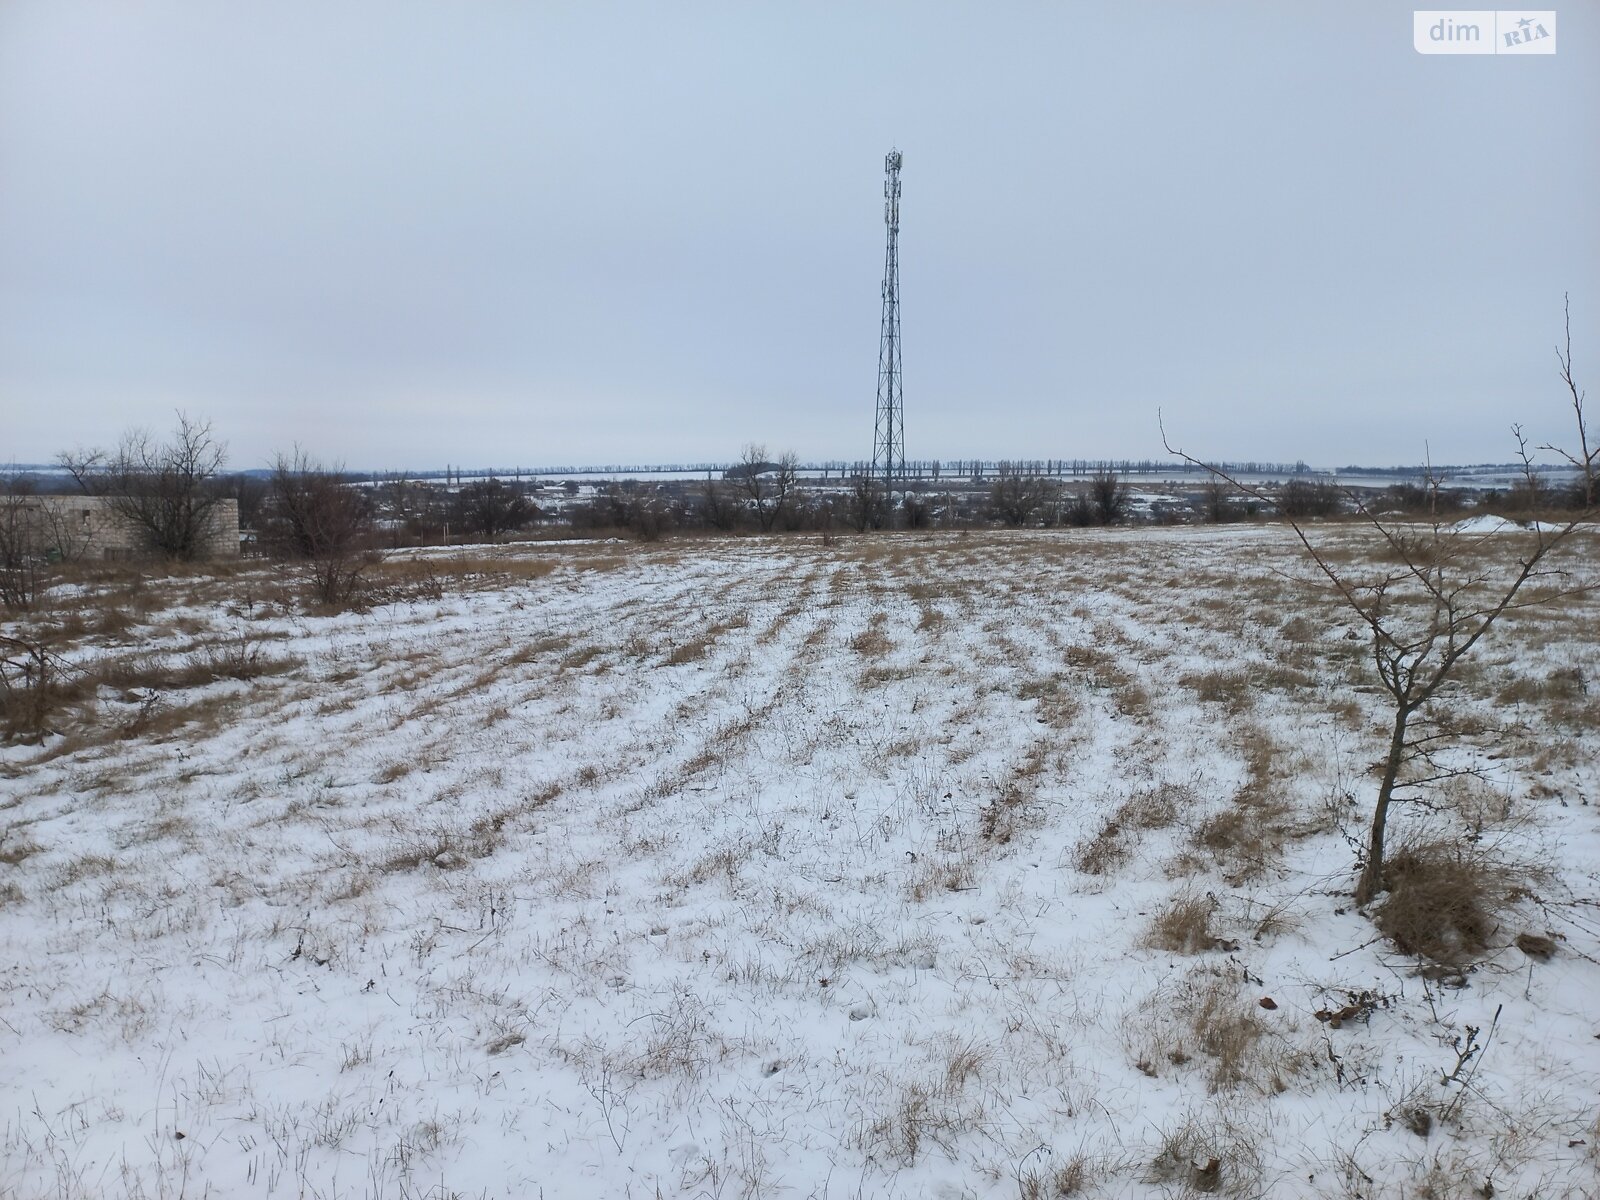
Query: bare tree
[[1214, 502], [492, 507], [416, 511], [312, 514], [1080, 511], [1586, 458], [1425, 607], [917, 511], [164, 490], [1015, 499], [1110, 496], [716, 510], [1302, 498], [866, 508], [769, 485], [21, 559]]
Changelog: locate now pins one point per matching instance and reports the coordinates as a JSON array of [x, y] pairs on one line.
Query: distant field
[[946, 866]]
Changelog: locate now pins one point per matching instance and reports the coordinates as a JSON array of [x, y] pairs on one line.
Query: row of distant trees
[[311, 512]]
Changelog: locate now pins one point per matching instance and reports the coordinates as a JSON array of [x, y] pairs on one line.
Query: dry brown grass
[[1070, 1178], [1230, 689], [873, 641], [1111, 674], [1245, 838], [933, 877], [580, 658], [1563, 694], [1183, 925], [1208, 1021], [1003, 817], [1446, 901], [15, 849], [690, 651], [1058, 705], [1208, 1156], [1143, 811], [1102, 854]]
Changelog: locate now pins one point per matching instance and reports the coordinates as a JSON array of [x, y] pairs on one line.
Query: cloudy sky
[[406, 234]]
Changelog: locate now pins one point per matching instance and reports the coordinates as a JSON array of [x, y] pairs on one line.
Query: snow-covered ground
[[782, 868]]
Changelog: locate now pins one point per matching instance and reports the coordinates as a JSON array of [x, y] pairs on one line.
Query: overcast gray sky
[[406, 234]]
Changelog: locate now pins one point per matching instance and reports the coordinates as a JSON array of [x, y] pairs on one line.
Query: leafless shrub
[[34, 537], [34, 681], [1109, 495], [1275, 919], [238, 657], [491, 507], [867, 507], [1016, 499], [1301, 498], [717, 509], [1217, 503], [313, 515]]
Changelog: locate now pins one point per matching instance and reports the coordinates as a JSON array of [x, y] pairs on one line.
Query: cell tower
[[889, 429]]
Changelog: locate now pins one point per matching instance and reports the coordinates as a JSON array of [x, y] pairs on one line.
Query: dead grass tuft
[[690, 651], [937, 876], [1070, 1178], [1231, 689], [1102, 854], [1207, 1021], [16, 850], [873, 641], [1183, 925], [1057, 705], [1208, 1157], [1445, 900], [1003, 817], [1244, 839]]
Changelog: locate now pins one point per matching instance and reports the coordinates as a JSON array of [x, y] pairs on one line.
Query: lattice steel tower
[[889, 429]]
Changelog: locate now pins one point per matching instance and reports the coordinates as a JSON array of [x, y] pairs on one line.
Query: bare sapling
[[1436, 591]]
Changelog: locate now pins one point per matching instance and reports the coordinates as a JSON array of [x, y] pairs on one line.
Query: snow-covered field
[[966, 865]]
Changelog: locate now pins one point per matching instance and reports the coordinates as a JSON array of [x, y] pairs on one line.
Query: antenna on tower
[[888, 431]]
